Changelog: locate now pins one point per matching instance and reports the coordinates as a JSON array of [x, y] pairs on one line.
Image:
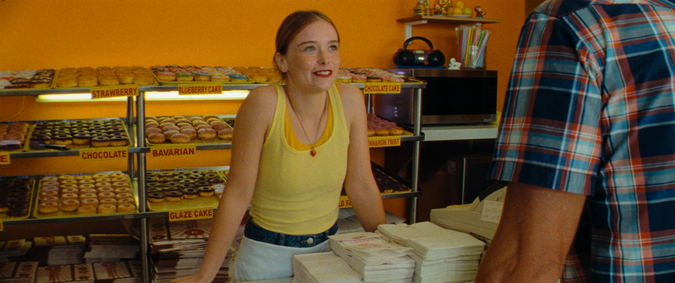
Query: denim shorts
[[255, 232]]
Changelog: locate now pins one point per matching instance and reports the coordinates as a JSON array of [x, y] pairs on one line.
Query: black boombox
[[419, 57]]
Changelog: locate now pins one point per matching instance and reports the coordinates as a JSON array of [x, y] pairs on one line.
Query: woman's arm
[[253, 121], [359, 182], [534, 235]]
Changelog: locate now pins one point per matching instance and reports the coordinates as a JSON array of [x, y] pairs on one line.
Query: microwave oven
[[467, 96]]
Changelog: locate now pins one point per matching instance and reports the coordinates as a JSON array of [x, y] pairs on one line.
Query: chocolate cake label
[[169, 151], [113, 91], [103, 154], [382, 88], [212, 88], [191, 214], [4, 158], [384, 141]]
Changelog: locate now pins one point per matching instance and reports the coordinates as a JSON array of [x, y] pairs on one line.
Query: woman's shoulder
[[261, 96]]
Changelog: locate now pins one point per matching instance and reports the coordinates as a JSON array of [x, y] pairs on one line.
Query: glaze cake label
[[382, 88], [191, 214], [114, 91], [205, 88], [4, 158], [103, 154], [173, 150], [384, 141]]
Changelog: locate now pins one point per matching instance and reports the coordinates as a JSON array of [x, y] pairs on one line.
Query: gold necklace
[[319, 134]]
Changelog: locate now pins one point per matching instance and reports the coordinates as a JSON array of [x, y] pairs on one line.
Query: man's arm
[[534, 235]]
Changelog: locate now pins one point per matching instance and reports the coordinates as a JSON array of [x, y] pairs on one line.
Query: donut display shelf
[[159, 183]]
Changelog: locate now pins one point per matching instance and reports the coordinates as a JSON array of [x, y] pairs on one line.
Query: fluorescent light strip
[[149, 96]]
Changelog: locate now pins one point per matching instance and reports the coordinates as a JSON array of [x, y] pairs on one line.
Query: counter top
[[460, 132]]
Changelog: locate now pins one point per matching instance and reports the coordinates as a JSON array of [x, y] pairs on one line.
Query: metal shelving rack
[[139, 149]]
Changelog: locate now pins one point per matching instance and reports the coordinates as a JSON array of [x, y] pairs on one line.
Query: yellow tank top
[[296, 193]]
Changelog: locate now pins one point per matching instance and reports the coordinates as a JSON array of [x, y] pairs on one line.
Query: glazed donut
[[74, 190], [65, 177], [69, 196], [205, 191], [126, 207], [119, 175], [122, 190], [48, 179], [206, 134], [152, 131], [173, 196], [112, 201], [88, 196], [48, 207], [396, 131], [218, 125], [103, 184], [169, 134], [124, 195], [48, 194], [99, 175], [70, 205], [48, 199], [156, 197], [84, 210], [87, 186], [126, 200], [104, 189], [105, 179], [107, 208], [381, 132], [100, 141], [117, 185], [105, 195], [225, 134], [190, 132], [86, 181], [191, 193], [156, 138], [180, 138], [88, 191], [120, 179], [89, 202]]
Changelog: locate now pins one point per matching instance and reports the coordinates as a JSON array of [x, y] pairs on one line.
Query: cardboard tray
[[248, 81], [154, 83], [197, 141], [27, 148], [31, 192]]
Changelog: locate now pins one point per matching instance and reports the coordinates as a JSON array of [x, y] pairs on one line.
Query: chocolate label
[[382, 88], [113, 91], [103, 154], [205, 88]]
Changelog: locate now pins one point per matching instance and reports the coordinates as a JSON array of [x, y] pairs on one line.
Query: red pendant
[[312, 152]]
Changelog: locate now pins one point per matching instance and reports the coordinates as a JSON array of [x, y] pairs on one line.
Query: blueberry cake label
[[4, 158], [103, 154], [191, 214], [113, 91], [207, 88], [169, 151], [382, 88]]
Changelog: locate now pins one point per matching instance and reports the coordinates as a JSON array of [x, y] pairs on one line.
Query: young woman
[[295, 146]]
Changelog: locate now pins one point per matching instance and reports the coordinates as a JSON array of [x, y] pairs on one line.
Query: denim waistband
[[255, 232]]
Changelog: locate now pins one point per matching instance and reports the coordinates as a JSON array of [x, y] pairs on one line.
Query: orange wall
[[77, 33]]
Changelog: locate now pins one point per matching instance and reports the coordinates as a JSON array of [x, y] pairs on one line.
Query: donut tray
[[199, 202], [10, 198], [62, 214], [197, 141], [154, 82], [248, 81], [27, 147]]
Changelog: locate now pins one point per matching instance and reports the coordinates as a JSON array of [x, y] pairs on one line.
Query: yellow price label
[[175, 150], [191, 214], [344, 202], [205, 88], [4, 158], [103, 154], [113, 91], [382, 88], [384, 141], [2, 226]]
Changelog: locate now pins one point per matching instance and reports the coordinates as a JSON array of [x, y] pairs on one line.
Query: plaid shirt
[[590, 109]]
